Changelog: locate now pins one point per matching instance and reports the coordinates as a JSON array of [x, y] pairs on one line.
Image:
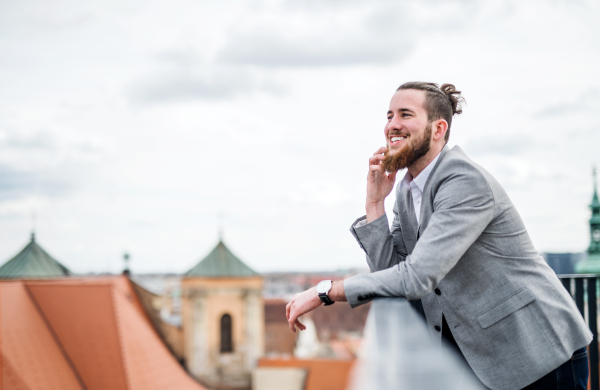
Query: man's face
[[407, 131]]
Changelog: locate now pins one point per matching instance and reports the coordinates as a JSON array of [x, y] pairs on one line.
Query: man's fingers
[[292, 320], [287, 310], [392, 176], [376, 160], [300, 325], [382, 149], [375, 168]]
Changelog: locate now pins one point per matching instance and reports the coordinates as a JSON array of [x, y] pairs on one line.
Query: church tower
[[223, 320], [591, 265]]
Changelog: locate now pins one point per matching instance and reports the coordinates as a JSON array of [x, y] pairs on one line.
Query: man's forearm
[[374, 211]]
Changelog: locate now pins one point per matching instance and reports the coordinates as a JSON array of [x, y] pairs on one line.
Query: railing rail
[[584, 289], [398, 353]]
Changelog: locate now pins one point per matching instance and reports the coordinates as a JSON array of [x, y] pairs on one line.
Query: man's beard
[[409, 153]]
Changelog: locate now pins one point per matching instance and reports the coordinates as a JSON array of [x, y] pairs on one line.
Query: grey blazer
[[472, 260]]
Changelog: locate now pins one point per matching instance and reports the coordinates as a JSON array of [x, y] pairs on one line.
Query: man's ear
[[439, 129]]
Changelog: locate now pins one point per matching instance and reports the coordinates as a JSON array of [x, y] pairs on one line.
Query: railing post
[[579, 295], [593, 324], [566, 282]]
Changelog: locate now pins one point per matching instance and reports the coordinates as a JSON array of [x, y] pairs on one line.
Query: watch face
[[324, 286], [596, 235]]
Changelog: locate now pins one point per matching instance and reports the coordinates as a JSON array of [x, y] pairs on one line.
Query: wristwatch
[[323, 289]]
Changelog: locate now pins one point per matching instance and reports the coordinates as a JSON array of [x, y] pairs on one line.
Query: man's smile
[[395, 140]]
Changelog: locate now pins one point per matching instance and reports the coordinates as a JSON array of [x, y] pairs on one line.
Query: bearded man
[[457, 243]]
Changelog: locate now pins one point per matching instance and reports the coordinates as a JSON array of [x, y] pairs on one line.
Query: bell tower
[[595, 222], [592, 264], [223, 320]]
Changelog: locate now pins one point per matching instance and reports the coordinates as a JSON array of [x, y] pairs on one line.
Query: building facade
[[223, 320]]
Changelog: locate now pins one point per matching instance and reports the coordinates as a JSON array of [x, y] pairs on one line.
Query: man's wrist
[[374, 210], [337, 293]]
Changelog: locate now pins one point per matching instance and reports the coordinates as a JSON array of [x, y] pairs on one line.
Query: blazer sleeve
[[384, 247], [463, 207]]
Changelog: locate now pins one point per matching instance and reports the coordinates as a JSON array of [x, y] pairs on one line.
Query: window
[[226, 341]]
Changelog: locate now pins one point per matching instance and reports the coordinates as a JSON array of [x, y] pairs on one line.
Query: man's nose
[[394, 124]]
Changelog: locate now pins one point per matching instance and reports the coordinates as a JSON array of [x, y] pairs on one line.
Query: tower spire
[[33, 227], [595, 220], [591, 265]]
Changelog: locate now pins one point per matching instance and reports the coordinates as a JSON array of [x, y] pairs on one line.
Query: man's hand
[[308, 301], [379, 185], [301, 304]]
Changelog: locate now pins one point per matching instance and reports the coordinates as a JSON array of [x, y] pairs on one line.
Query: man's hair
[[440, 102]]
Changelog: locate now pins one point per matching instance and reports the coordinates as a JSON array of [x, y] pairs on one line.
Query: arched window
[[226, 340]]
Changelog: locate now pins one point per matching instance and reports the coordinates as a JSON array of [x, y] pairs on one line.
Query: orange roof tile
[[323, 374], [31, 356], [102, 331], [83, 318]]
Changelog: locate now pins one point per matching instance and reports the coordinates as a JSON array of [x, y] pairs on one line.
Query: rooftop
[[83, 333], [219, 263], [32, 263]]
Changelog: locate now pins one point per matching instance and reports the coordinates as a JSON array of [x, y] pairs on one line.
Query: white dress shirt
[[417, 185]]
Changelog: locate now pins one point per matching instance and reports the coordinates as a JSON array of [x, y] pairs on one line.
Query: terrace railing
[[584, 289], [398, 352]]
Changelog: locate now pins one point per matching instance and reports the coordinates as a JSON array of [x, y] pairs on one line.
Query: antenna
[[126, 264]]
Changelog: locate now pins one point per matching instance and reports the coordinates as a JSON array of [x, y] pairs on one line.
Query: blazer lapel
[[426, 210]]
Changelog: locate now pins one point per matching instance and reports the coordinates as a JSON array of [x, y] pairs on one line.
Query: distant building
[[280, 341], [223, 320], [319, 373], [563, 263], [33, 263], [82, 333], [591, 265]]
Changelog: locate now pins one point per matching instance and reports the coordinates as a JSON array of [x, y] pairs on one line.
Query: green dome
[[220, 263], [31, 263]]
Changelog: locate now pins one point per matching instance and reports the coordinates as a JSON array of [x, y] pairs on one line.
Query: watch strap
[[325, 299]]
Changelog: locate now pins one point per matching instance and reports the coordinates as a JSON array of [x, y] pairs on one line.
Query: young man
[[458, 244]]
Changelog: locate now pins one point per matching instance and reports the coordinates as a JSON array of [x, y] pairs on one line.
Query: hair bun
[[456, 101]]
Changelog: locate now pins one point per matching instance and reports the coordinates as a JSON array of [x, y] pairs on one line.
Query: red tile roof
[[323, 374], [83, 333]]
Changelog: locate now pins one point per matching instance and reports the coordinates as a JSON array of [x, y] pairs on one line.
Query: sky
[[147, 127]]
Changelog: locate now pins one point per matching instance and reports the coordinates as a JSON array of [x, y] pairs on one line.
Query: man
[[458, 244]]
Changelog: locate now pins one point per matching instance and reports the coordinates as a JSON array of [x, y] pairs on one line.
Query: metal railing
[[584, 290], [398, 353]]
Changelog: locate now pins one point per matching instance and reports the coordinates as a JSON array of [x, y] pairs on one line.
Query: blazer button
[[437, 328], [437, 291]]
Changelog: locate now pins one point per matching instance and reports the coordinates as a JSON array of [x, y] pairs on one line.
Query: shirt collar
[[421, 179]]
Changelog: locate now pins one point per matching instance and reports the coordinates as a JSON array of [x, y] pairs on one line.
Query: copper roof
[[220, 262], [83, 334], [32, 262]]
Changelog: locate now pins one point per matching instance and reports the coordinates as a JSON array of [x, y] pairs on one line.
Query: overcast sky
[[129, 126]]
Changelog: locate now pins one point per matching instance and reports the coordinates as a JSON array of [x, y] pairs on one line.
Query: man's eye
[[389, 118]]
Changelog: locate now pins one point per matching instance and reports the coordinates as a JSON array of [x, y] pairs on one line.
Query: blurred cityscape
[[220, 325]]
